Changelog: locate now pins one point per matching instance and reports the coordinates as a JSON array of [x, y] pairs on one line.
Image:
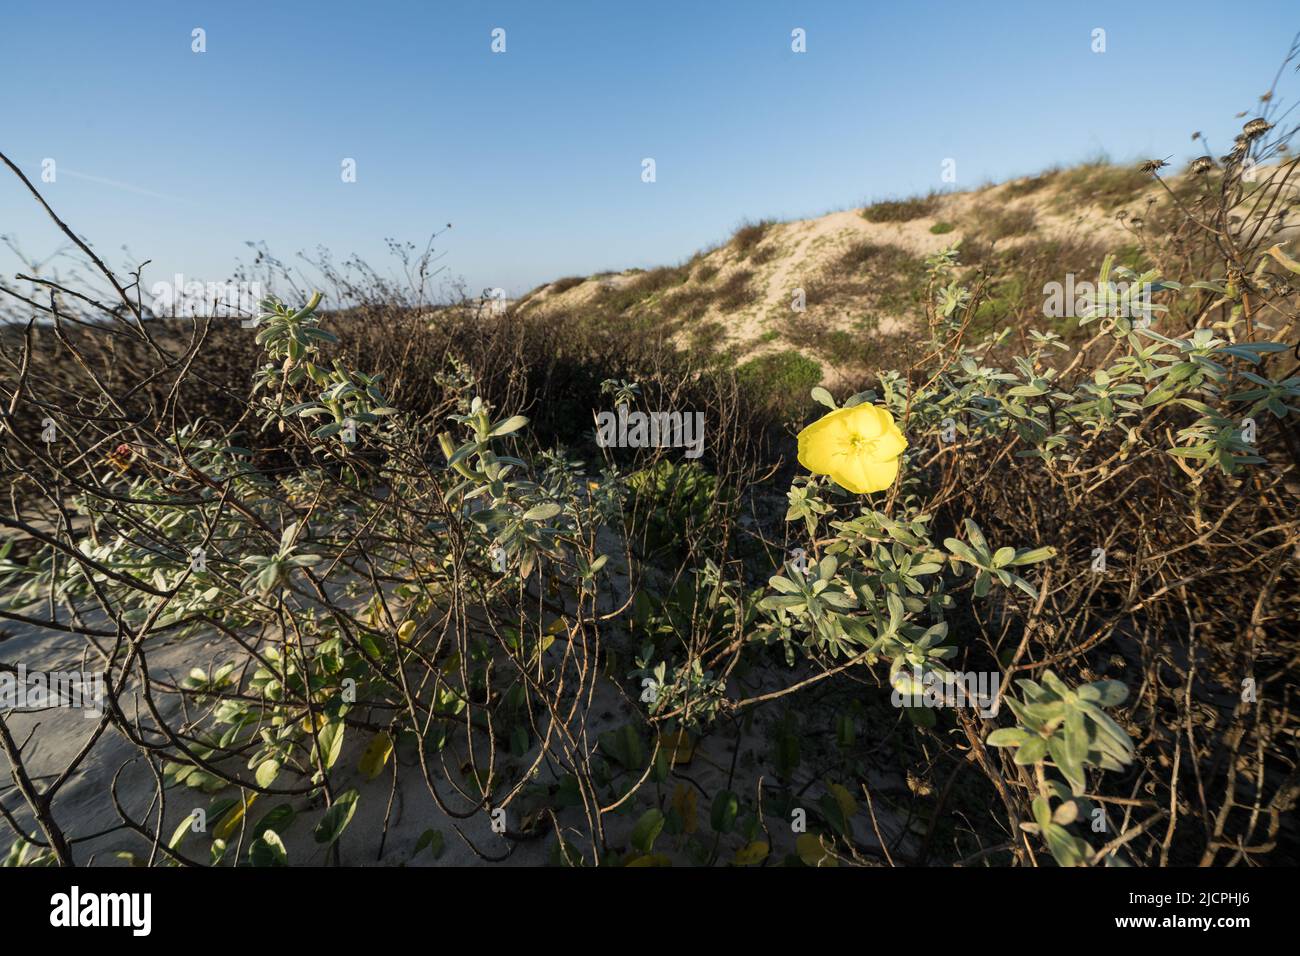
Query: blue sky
[[535, 155]]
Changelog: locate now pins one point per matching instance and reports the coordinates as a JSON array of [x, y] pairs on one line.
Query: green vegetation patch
[[902, 210], [780, 379]]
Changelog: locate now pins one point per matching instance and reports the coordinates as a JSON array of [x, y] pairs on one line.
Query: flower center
[[861, 444]]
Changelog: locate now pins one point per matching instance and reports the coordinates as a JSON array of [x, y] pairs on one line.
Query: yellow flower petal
[[869, 421], [860, 475], [824, 441], [891, 444]]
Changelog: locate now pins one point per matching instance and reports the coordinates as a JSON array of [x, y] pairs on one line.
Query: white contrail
[[64, 171]]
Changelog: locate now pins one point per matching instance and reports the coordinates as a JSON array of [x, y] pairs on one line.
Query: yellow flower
[[857, 448]]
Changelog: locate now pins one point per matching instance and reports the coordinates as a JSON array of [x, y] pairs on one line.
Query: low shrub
[[780, 379], [748, 236], [902, 210]]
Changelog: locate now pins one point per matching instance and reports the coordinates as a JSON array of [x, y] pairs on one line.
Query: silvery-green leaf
[[542, 512], [511, 424], [1034, 556], [822, 397], [1031, 751], [1007, 737]]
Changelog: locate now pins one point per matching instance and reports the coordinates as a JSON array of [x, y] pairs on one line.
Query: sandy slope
[[793, 254]]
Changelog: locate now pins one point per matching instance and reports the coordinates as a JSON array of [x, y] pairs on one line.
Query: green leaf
[[976, 536], [336, 818], [1042, 812], [1035, 556], [1076, 735], [838, 599], [1031, 751], [1024, 586], [542, 512], [1007, 737], [783, 584], [1104, 693], [268, 576], [1066, 849], [327, 430], [625, 745], [725, 807], [895, 605], [432, 839], [266, 773], [822, 397], [331, 742], [647, 830], [961, 549], [268, 850], [1110, 729], [461, 453], [511, 424], [1065, 762]]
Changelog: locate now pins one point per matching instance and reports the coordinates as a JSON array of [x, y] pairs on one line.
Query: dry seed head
[[1256, 128]]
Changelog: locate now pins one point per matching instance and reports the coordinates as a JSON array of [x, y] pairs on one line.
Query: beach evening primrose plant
[[856, 447]]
